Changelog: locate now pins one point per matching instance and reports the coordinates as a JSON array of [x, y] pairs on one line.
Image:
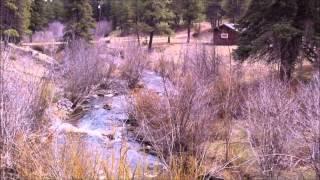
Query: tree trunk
[[30, 38], [150, 41], [114, 24], [189, 31], [213, 26], [289, 52], [169, 39], [285, 70], [138, 37], [318, 60]]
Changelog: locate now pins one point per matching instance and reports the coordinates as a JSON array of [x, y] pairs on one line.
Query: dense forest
[[160, 89]]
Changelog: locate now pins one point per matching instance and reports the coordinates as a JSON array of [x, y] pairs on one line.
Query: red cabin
[[226, 35]]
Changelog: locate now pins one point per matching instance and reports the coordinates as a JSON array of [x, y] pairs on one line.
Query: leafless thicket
[[306, 125], [202, 62], [268, 110], [177, 125], [83, 68], [180, 124], [23, 101], [223, 81], [54, 32], [283, 126], [135, 61], [102, 29]]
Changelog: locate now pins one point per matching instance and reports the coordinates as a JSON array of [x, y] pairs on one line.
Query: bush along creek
[[103, 122]]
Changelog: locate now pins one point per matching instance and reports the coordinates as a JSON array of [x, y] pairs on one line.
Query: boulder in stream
[[65, 105], [107, 107]]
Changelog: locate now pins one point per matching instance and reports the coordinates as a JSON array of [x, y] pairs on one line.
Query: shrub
[[133, 65], [180, 124], [103, 28], [23, 100], [83, 68], [269, 110], [306, 123]]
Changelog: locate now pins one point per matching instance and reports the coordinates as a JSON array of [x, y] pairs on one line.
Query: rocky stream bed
[[105, 130]]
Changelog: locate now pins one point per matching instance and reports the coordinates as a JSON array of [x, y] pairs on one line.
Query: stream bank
[[105, 129]]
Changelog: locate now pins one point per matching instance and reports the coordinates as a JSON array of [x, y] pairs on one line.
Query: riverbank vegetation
[[139, 89]]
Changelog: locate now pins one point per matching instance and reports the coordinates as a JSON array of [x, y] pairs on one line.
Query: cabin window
[[224, 35]]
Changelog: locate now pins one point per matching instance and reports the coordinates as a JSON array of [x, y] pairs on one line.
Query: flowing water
[[106, 131]]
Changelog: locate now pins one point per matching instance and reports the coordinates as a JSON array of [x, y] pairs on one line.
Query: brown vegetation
[[210, 120], [83, 68]]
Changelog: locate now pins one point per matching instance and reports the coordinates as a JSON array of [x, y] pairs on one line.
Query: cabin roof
[[228, 25]]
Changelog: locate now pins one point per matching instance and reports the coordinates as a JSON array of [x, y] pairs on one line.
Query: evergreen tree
[[105, 11], [276, 30], [38, 15], [214, 13], [55, 10], [177, 16], [192, 10], [15, 19], [8, 10], [95, 4], [120, 14], [176, 8], [235, 8], [155, 18], [79, 19], [137, 10], [23, 19]]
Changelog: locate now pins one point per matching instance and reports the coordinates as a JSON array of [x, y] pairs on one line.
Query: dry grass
[[46, 156], [214, 121], [23, 101]]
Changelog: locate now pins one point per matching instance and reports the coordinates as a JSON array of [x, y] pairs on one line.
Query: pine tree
[[177, 16], [15, 19], [95, 9], [23, 20], [235, 8], [276, 30], [38, 15], [214, 13], [55, 10], [79, 19], [106, 9], [155, 18], [192, 10], [137, 10], [8, 10], [120, 14]]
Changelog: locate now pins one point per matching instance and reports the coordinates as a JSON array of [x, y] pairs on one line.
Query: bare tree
[[83, 68], [103, 28], [268, 111], [306, 124], [177, 124], [202, 62], [135, 61], [180, 123]]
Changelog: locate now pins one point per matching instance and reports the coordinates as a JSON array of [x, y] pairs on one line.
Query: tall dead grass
[[23, 100], [67, 156]]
